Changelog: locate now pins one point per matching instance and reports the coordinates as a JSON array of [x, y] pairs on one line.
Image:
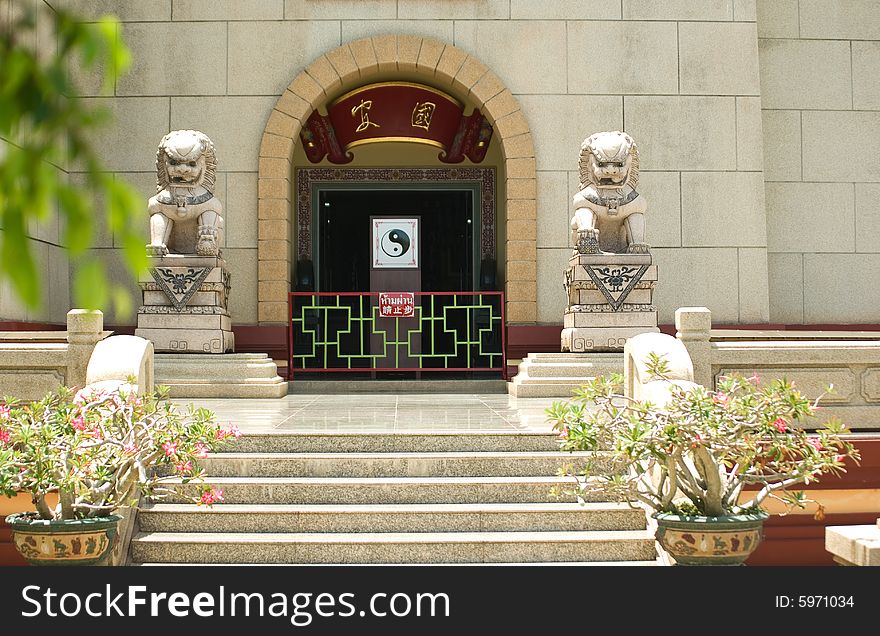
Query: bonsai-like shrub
[[704, 453], [100, 450]]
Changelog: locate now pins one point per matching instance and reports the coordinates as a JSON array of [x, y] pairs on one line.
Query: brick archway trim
[[357, 63]]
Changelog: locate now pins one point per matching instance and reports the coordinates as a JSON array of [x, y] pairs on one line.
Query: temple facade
[[737, 107]]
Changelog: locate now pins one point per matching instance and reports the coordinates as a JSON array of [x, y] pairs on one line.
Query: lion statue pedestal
[[186, 292], [610, 277]]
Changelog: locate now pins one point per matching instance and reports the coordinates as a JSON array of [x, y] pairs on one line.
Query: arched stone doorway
[[408, 57]]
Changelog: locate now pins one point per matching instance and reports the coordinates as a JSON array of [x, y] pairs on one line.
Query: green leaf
[[46, 126], [90, 284]]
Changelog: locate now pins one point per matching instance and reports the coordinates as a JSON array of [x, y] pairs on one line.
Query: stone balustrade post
[[692, 326], [85, 328]]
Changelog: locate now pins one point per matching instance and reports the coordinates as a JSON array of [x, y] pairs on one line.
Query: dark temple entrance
[[448, 223], [341, 315]]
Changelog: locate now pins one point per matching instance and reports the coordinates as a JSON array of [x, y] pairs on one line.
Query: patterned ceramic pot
[[63, 542], [709, 540]]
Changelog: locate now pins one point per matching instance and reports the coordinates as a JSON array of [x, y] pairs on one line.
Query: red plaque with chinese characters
[[396, 111], [397, 304]]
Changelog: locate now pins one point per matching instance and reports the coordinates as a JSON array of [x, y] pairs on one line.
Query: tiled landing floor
[[381, 412]]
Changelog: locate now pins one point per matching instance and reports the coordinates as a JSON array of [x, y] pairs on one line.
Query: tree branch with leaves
[[45, 131]]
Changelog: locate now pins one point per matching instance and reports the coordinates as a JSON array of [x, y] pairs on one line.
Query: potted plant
[[705, 461], [96, 451]]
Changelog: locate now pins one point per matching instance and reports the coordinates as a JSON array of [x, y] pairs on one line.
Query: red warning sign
[[396, 304]]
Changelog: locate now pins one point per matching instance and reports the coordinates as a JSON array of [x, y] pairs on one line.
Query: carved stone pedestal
[[185, 304], [543, 375], [233, 375], [610, 299]]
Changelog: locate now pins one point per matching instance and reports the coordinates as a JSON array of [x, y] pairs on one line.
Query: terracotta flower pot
[[699, 540], [63, 542]]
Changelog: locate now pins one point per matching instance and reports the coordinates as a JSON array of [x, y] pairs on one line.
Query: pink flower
[[780, 425], [754, 378], [4, 436], [201, 451], [87, 394], [184, 467], [698, 441], [4, 412], [78, 423], [563, 434], [721, 398], [840, 458], [211, 496], [129, 448], [815, 443], [170, 448], [232, 431]]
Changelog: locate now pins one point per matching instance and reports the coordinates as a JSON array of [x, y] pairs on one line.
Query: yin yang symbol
[[395, 243]]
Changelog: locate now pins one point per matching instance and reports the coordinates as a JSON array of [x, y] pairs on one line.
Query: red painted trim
[[505, 375], [816, 327], [525, 339], [289, 353], [15, 325], [8, 554], [800, 539], [121, 330], [421, 369], [419, 293]]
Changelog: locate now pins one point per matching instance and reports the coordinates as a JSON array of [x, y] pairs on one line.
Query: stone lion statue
[[607, 204], [185, 216]]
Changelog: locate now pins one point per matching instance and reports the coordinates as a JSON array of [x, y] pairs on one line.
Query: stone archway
[[357, 63]]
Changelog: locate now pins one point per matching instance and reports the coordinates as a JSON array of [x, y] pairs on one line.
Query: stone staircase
[[461, 497], [557, 374]]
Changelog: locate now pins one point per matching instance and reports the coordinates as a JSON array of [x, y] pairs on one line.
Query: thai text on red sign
[[397, 304]]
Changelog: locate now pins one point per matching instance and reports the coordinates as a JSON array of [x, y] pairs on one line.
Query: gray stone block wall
[[820, 91], [731, 135]]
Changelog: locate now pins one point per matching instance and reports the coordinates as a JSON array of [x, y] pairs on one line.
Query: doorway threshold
[[397, 386]]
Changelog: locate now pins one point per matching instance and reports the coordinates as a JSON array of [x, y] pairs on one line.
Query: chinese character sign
[[395, 243], [396, 111], [422, 113], [364, 109], [396, 305]]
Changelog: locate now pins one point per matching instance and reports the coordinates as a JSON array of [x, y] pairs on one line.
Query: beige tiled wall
[[820, 91], [681, 76]]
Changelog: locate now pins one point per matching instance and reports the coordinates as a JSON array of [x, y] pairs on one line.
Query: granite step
[[564, 370], [396, 442], [560, 388], [388, 490], [640, 564], [612, 360], [540, 517], [424, 547], [347, 386], [449, 464]]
